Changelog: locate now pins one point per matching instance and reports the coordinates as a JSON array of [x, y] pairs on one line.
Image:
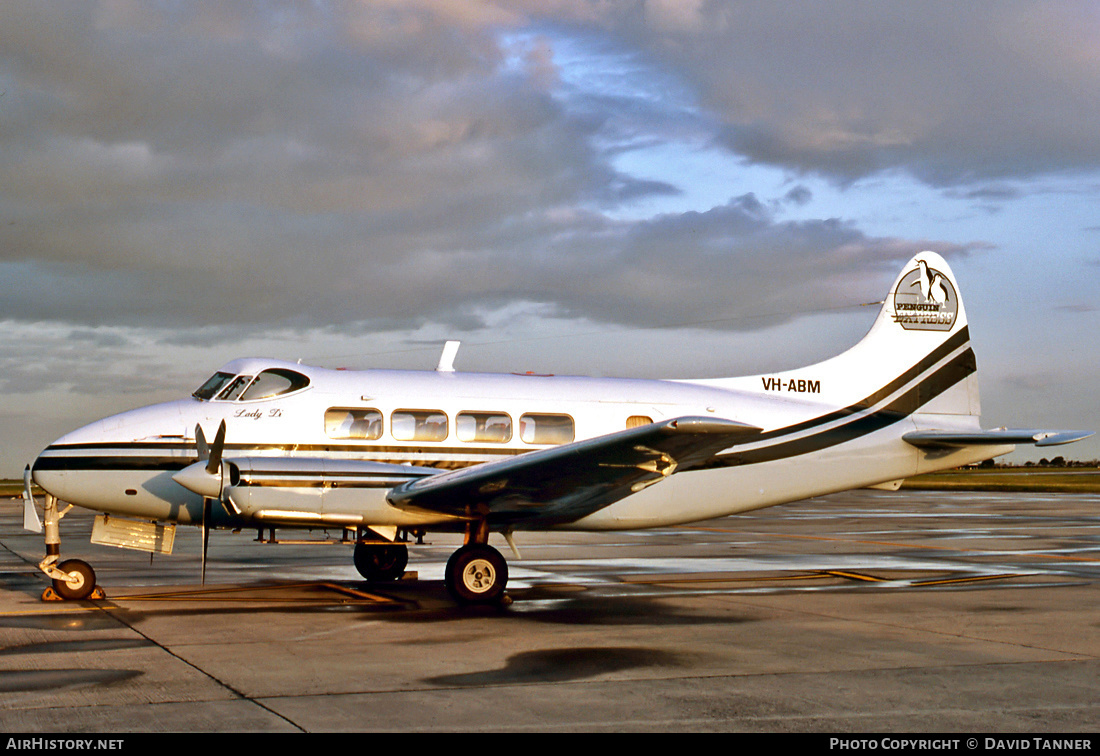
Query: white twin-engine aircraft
[[388, 455]]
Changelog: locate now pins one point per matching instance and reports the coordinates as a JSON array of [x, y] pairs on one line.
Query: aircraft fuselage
[[296, 443]]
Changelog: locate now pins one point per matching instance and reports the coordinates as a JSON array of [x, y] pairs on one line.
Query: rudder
[[922, 331], [915, 358]]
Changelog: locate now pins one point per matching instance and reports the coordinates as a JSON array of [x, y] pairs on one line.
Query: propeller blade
[[206, 503], [201, 445], [215, 462]]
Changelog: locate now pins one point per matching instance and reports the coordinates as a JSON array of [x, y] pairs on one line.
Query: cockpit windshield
[[212, 386], [234, 389], [227, 387], [274, 382]]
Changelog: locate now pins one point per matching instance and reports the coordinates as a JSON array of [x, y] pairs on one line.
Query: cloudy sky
[[654, 188]]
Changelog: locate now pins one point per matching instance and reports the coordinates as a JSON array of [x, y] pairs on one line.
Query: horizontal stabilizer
[[567, 482], [939, 439]]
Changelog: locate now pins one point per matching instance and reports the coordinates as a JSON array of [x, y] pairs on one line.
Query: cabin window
[[274, 382], [212, 386], [546, 429], [234, 389], [353, 423], [418, 425], [483, 427], [637, 421]]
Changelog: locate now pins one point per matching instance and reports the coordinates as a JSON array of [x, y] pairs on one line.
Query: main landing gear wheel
[[476, 574], [81, 581], [381, 563]]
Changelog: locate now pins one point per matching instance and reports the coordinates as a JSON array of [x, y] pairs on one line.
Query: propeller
[[206, 478]]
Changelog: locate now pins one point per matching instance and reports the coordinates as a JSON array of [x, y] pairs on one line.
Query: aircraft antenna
[[447, 358]]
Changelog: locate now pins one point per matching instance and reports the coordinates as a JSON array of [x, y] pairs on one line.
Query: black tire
[[84, 586], [381, 562], [476, 574]]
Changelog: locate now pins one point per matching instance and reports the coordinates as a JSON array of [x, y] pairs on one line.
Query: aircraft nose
[[154, 421], [61, 466], [49, 471], [122, 463]]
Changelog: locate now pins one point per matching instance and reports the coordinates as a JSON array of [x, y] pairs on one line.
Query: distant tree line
[[1058, 461]]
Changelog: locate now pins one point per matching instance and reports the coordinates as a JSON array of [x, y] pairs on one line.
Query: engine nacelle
[[319, 492]]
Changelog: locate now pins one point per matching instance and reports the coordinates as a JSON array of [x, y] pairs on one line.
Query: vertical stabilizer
[[921, 335], [915, 358]]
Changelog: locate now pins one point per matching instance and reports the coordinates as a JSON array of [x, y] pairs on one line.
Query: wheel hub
[[479, 576]]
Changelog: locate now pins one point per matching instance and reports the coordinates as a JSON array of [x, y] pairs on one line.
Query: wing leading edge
[[567, 482]]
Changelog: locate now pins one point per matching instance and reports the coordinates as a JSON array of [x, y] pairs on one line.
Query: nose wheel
[[476, 574], [78, 583]]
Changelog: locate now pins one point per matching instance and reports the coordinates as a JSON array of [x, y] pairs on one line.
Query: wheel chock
[[51, 595]]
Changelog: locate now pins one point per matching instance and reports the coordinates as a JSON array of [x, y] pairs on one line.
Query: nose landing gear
[[73, 579]]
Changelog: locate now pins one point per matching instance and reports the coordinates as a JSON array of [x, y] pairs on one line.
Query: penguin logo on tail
[[925, 300]]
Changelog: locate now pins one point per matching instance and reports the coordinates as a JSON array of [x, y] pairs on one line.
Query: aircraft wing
[[567, 482], [939, 439]]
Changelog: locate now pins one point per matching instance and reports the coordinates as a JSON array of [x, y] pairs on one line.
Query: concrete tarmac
[[870, 611]]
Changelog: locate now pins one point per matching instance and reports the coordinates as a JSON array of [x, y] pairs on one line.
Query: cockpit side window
[[212, 386], [234, 389], [274, 382]]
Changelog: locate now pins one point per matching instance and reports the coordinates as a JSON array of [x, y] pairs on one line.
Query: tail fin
[[915, 358], [919, 342]]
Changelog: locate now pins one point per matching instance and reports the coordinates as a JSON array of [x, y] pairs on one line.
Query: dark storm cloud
[[203, 164], [212, 165], [707, 267], [950, 92]]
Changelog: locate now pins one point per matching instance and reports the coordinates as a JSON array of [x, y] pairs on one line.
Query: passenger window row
[[347, 423]]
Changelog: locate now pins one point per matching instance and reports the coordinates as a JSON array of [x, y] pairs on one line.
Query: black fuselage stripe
[[897, 410], [934, 357], [121, 463]]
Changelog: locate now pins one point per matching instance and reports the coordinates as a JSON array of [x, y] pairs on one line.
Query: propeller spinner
[[206, 477]]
